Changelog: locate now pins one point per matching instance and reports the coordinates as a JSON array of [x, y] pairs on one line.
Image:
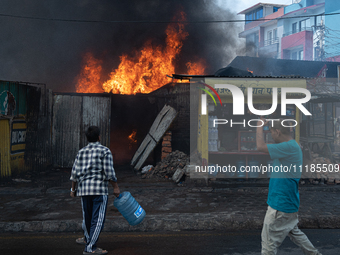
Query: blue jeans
[[94, 211]]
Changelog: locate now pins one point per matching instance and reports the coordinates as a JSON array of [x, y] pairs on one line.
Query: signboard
[[18, 136], [261, 87]]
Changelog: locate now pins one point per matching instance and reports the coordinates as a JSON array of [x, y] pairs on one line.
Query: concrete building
[[304, 30]]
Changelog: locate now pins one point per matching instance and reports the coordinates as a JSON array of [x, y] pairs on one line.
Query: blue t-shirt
[[283, 194]]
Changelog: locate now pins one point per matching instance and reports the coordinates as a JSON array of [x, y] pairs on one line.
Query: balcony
[[271, 41], [302, 39], [270, 48], [297, 31]]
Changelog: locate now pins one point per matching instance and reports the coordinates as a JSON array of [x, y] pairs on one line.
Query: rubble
[[146, 169], [328, 177], [165, 169]]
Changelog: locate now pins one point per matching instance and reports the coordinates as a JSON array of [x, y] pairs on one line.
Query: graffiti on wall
[[18, 136], [7, 103]]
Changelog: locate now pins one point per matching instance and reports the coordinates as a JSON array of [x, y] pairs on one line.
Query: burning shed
[[72, 115]]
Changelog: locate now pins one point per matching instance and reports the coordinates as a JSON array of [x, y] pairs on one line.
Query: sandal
[[96, 251], [81, 240]]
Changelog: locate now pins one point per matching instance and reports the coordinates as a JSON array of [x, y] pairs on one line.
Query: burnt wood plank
[[160, 125]]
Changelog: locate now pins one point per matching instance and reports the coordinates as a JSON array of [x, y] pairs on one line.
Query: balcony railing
[[297, 31], [271, 41]]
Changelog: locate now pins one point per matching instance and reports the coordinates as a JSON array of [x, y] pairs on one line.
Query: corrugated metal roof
[[324, 98], [263, 67], [189, 77]]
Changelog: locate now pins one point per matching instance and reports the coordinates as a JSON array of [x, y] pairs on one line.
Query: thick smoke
[[51, 51]]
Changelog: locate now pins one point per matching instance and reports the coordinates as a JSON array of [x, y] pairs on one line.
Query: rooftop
[[284, 67], [254, 7]]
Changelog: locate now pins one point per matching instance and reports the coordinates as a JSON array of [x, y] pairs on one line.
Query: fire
[[145, 71], [89, 78], [196, 68], [132, 138]]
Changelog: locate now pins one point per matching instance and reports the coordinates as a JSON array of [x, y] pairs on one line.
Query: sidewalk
[[46, 206]]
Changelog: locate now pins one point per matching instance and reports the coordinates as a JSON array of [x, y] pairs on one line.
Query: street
[[141, 243]]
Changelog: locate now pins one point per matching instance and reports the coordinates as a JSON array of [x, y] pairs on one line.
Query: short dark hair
[[92, 134], [278, 125]]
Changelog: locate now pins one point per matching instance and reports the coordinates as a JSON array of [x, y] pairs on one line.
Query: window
[[249, 17], [254, 15], [275, 9], [269, 37], [294, 27], [318, 20], [300, 55], [302, 25], [294, 55], [259, 13], [274, 34]]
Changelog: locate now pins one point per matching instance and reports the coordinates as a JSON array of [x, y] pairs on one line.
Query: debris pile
[[174, 162], [321, 170], [336, 157], [317, 159]]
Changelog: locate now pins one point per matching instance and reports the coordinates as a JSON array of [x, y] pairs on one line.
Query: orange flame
[[146, 70], [196, 68], [132, 137], [249, 70], [89, 78]]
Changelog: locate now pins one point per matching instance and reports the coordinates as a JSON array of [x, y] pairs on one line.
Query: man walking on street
[[283, 195], [92, 170]]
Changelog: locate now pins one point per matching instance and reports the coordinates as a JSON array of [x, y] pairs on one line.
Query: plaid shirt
[[92, 170]]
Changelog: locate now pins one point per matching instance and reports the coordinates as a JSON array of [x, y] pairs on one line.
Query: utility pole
[[320, 31], [322, 38]]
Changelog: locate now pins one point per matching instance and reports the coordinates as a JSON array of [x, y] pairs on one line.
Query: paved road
[[159, 243], [228, 206]]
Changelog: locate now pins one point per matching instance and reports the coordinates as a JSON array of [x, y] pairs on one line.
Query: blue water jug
[[253, 164], [129, 208]]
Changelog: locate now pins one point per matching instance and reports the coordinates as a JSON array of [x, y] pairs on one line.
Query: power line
[[156, 21]]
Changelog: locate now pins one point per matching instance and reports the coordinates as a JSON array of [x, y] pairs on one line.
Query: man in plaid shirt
[[92, 171]]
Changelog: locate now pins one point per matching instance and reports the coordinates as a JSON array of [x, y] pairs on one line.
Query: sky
[[51, 52]]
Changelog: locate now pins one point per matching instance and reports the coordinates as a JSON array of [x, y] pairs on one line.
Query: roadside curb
[[241, 189], [168, 222]]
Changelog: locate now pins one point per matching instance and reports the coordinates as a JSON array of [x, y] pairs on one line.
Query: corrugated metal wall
[[72, 115], [97, 112], [38, 154], [5, 162], [38, 129]]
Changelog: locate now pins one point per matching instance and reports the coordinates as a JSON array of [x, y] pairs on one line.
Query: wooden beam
[[160, 125]]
